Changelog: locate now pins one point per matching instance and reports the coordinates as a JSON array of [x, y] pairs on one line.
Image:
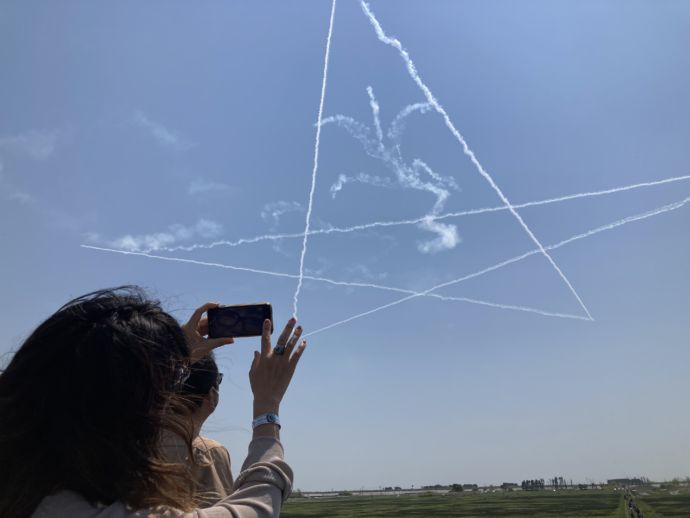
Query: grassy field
[[539, 504], [664, 505]]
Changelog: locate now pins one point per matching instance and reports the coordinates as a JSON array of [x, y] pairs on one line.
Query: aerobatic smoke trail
[[316, 163], [610, 226], [336, 282], [407, 175], [427, 293], [192, 261], [412, 70], [416, 221]]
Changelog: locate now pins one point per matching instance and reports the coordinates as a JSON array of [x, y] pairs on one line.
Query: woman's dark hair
[[203, 376], [83, 403]]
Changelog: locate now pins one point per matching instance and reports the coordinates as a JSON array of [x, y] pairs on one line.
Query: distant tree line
[[532, 485]]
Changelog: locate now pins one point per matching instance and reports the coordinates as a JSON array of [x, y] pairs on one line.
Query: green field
[[540, 504], [664, 505]]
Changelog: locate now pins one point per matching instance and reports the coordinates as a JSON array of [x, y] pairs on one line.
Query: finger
[[297, 355], [266, 338], [213, 343], [196, 316], [202, 328], [283, 338], [291, 343], [255, 361]]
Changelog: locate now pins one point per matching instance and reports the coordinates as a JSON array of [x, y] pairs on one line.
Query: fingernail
[[299, 328]]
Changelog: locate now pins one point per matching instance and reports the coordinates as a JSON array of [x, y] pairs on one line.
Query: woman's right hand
[[271, 372]]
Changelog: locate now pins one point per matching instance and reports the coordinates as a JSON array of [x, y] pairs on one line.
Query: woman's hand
[[272, 371], [195, 332]]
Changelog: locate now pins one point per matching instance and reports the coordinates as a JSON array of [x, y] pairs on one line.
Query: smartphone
[[240, 320]]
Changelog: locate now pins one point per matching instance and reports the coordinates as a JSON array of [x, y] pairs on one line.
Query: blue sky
[[146, 127]]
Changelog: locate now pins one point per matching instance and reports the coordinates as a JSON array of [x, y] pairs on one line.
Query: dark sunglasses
[[219, 379]]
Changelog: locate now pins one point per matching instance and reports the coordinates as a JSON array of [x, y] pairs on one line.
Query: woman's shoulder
[[206, 444]]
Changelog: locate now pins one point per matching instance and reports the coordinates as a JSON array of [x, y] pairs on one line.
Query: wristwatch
[[266, 419]]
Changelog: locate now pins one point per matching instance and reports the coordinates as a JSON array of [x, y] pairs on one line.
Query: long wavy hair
[[84, 401]]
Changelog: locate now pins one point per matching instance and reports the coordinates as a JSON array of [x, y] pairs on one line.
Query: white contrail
[[412, 70], [335, 282], [316, 163], [610, 226], [416, 221], [426, 293], [192, 261]]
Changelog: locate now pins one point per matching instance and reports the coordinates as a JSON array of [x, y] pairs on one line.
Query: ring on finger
[[279, 350]]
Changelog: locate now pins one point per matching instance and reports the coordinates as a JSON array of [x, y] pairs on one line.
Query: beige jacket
[[212, 471], [261, 488], [211, 467]]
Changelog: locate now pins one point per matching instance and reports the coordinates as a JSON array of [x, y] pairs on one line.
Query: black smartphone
[[240, 320]]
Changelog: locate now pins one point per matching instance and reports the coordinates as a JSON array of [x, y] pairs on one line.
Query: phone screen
[[238, 321]]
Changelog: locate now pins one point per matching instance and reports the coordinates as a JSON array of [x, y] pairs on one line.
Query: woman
[[86, 398]]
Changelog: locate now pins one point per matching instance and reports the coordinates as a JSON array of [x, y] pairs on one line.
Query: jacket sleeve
[[262, 486]]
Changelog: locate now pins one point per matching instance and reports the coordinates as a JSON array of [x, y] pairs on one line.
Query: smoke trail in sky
[[359, 178], [429, 292], [192, 261], [415, 221], [316, 162], [408, 175], [610, 226], [412, 70], [396, 128], [336, 282]]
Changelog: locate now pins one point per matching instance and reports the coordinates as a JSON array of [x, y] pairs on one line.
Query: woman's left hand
[[196, 330]]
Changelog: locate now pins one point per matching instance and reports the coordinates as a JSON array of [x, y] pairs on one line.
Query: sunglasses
[[219, 379]]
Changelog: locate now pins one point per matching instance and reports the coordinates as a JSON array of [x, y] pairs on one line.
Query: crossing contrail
[[336, 282], [416, 221], [412, 70], [577, 237], [316, 163], [429, 292]]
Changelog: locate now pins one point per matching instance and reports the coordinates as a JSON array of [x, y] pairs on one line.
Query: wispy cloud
[[20, 196], [32, 144], [408, 175], [163, 135], [202, 186], [272, 212], [36, 144], [10, 192], [362, 271], [176, 233]]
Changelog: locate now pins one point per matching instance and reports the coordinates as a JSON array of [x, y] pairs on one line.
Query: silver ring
[[279, 350]]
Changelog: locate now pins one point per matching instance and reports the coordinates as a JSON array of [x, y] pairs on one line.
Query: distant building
[[509, 486], [624, 482], [470, 487]]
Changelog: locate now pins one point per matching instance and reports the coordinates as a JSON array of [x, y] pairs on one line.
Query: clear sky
[[146, 126]]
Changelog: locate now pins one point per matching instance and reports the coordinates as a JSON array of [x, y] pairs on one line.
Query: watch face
[[271, 418]]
